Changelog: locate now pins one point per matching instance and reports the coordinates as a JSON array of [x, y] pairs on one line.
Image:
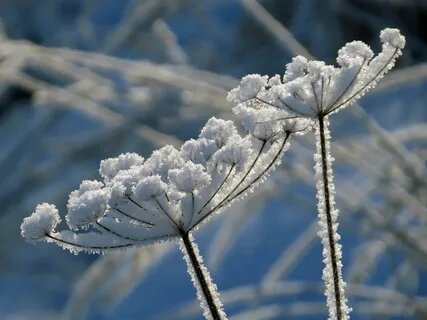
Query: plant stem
[[327, 220], [206, 290]]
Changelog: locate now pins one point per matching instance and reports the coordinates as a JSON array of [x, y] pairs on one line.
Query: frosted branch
[[207, 293]]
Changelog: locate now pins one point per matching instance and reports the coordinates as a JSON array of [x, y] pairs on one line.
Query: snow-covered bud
[[393, 37], [129, 178], [109, 168], [295, 69], [163, 160], [218, 130], [248, 88], [87, 204], [118, 193], [261, 123], [316, 70], [235, 153], [42, 221], [274, 81], [149, 188], [355, 52], [199, 151], [191, 177], [85, 186]]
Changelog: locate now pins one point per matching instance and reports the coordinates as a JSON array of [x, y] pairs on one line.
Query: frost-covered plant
[[314, 90], [167, 196]]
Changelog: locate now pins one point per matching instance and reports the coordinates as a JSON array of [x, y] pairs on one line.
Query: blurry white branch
[[282, 35], [255, 295]]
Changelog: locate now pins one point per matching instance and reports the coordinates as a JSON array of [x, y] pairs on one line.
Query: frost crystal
[[393, 37], [86, 204], [249, 87], [149, 188], [218, 130], [110, 167], [42, 222], [235, 153], [190, 177], [202, 280], [295, 69], [199, 151]]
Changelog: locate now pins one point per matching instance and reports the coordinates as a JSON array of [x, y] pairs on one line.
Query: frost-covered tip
[[163, 160], [191, 177], [218, 130], [42, 222], [109, 168], [249, 87], [149, 188], [354, 53], [295, 69], [87, 204], [393, 37], [235, 153], [199, 151]]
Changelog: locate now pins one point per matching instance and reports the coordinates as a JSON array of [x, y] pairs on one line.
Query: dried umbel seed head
[[173, 191], [313, 89]]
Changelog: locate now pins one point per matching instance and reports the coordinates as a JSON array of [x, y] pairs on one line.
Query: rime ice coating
[[109, 168], [149, 188], [393, 37], [249, 87], [86, 204], [202, 280], [328, 225], [43, 221]]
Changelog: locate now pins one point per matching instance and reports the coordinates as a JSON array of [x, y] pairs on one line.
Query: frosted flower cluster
[[141, 201], [313, 89]]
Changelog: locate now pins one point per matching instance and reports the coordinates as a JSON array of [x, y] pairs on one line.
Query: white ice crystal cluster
[[42, 222], [141, 201], [313, 89]]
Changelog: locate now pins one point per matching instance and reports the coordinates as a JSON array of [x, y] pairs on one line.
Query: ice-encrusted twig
[[206, 289], [328, 214]]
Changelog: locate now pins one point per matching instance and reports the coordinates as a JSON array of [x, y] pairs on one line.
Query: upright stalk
[[206, 289], [332, 273]]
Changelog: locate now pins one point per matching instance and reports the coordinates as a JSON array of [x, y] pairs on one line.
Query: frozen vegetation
[[83, 82]]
